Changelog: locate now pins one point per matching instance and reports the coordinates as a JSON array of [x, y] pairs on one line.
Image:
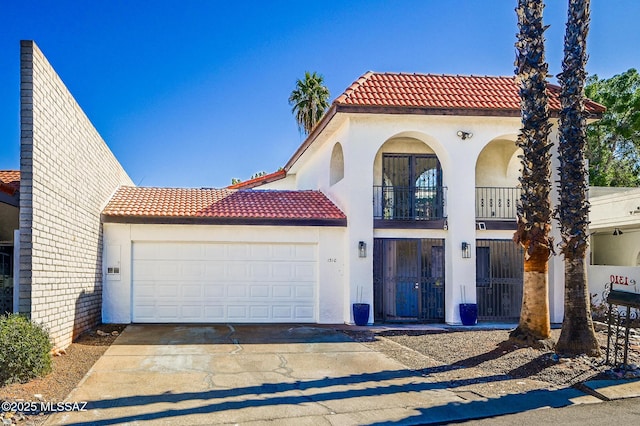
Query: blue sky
[[192, 93]]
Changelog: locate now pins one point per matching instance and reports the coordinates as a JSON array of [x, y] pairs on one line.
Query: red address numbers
[[620, 280]]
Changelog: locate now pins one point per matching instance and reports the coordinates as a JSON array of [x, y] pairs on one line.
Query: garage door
[[224, 282]]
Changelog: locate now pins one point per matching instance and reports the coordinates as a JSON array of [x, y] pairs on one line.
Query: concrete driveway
[[217, 374]]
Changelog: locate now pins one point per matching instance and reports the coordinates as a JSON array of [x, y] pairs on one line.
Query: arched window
[[336, 168]]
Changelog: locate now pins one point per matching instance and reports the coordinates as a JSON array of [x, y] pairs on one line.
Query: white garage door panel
[[191, 290], [215, 282], [236, 291], [259, 291], [282, 291], [214, 291], [214, 313], [303, 292], [259, 313], [164, 291], [303, 311], [282, 311], [191, 312], [168, 311]]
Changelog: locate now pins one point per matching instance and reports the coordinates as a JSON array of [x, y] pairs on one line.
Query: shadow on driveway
[[204, 374]]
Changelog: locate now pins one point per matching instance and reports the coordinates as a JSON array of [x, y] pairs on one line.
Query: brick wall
[[67, 175]]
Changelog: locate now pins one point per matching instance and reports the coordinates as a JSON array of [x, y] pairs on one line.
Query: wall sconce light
[[617, 231], [464, 135], [362, 249], [466, 250]]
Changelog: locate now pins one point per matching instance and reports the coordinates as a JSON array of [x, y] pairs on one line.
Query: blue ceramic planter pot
[[361, 313], [469, 313]]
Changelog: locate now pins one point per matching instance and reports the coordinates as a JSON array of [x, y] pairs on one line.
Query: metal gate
[[499, 267], [408, 279]]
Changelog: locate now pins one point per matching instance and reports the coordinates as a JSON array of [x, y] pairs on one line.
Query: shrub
[[25, 349]]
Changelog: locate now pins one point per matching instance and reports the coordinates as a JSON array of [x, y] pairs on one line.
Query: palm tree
[[534, 209], [577, 335], [310, 100]]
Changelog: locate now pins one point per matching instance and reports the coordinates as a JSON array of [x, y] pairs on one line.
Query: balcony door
[[412, 186]]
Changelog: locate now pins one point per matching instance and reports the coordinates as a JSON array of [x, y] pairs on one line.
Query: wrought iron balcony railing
[[497, 203], [409, 203]]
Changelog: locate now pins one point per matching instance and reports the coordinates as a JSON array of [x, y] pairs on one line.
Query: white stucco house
[[403, 197]]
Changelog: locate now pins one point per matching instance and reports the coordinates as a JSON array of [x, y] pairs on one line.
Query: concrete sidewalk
[[281, 374]]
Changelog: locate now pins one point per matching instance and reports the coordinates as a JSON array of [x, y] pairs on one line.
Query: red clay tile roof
[[443, 92], [403, 93], [260, 180], [137, 201], [275, 204], [222, 204], [10, 181]]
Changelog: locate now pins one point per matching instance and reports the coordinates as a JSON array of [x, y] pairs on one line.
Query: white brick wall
[[67, 176]]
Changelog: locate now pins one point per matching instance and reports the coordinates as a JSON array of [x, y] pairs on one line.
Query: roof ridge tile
[[442, 91]]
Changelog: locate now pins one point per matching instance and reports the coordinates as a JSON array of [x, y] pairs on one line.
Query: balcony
[[497, 204], [409, 207]]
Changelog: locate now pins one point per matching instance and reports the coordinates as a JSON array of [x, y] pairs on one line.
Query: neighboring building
[[9, 223], [614, 227], [425, 169], [615, 239]]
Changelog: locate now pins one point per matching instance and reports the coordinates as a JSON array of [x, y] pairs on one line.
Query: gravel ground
[[482, 363]]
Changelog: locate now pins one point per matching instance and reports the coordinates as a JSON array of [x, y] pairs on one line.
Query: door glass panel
[[483, 265], [412, 186], [407, 279]]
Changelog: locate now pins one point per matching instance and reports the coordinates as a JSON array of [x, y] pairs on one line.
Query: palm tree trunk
[[577, 335], [534, 209], [534, 328]]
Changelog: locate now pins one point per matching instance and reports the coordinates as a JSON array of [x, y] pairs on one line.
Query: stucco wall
[[619, 250], [498, 164], [488, 158], [67, 175], [620, 209], [331, 280]]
